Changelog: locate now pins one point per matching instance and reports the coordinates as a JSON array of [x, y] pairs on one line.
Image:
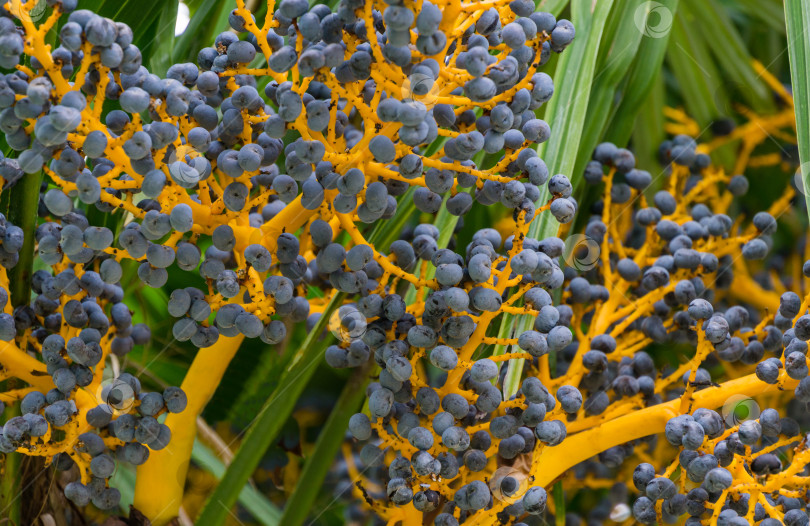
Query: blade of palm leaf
[[554, 7], [573, 78], [264, 511], [193, 5], [770, 12], [21, 211], [695, 72], [318, 462], [129, 12], [124, 480], [160, 48], [769, 48], [246, 394], [730, 53], [199, 31], [612, 65], [649, 133], [566, 113], [265, 427], [559, 504], [704, 91], [797, 16], [643, 72], [139, 16], [611, 31]]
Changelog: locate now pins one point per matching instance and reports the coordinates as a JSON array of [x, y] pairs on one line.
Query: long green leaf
[[22, 212], [240, 395], [566, 114], [11, 485], [265, 428], [645, 69], [264, 511], [729, 50], [140, 16], [124, 481], [161, 47], [199, 31], [554, 7], [797, 16], [702, 89], [649, 133], [573, 78], [299, 506], [615, 58], [768, 11], [559, 504]]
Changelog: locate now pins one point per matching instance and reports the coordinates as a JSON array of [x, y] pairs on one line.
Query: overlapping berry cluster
[[274, 194], [366, 105], [676, 272]]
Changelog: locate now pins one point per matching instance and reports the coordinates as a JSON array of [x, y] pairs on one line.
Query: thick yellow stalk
[[554, 461], [24, 367], [159, 484], [160, 481]]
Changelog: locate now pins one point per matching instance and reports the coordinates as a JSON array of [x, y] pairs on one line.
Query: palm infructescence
[[426, 216]]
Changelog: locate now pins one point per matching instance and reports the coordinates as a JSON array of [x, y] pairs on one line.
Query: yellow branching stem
[[646, 273], [552, 463], [631, 417], [160, 481], [23, 366]]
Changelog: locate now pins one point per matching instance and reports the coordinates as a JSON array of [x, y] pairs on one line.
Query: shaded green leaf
[[566, 114], [299, 506], [769, 12], [264, 511], [729, 50], [797, 15], [700, 83], [269, 421], [643, 72], [205, 21], [615, 58]]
